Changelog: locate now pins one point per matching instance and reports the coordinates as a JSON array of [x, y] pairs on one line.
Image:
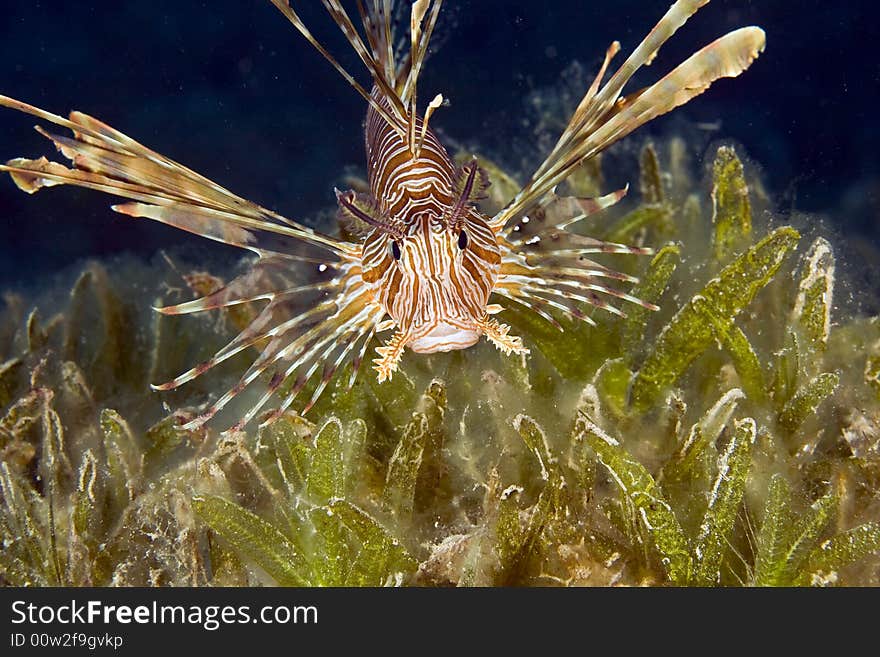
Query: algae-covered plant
[[731, 438]]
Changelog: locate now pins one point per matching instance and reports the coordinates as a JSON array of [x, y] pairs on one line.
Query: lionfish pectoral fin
[[499, 335], [390, 354], [399, 110], [603, 117], [554, 214], [106, 160], [724, 58], [296, 340]]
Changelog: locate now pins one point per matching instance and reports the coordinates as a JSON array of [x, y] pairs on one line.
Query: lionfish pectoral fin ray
[[610, 54], [603, 118], [231, 295], [723, 58], [556, 241], [107, 160], [330, 368], [518, 296], [534, 298], [499, 335], [324, 344], [383, 326], [574, 269], [359, 358], [590, 206], [586, 101], [259, 329], [556, 213], [389, 355]]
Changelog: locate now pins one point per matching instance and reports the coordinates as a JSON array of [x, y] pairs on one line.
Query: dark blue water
[[230, 89]]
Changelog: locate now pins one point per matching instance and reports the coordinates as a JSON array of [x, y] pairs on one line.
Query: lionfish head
[[434, 278]]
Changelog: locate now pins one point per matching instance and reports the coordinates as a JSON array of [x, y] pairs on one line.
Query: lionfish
[[427, 262]]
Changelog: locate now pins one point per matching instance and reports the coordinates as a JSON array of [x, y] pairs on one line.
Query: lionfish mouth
[[445, 337]]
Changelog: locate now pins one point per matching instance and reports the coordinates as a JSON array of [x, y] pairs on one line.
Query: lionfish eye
[[395, 250], [462, 240]]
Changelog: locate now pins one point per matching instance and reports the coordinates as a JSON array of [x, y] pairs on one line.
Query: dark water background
[[231, 90]]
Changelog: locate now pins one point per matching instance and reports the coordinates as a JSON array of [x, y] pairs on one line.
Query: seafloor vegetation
[[731, 438]]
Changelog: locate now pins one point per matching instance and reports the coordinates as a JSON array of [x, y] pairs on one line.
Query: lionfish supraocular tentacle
[[429, 261]]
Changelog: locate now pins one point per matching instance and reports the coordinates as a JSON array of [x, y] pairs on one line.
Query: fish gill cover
[[733, 437]]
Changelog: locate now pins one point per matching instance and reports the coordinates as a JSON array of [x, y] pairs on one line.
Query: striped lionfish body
[[435, 267], [427, 264]]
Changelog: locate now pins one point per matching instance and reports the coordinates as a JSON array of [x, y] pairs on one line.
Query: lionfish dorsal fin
[[422, 21], [393, 116], [377, 26], [371, 58], [397, 86]]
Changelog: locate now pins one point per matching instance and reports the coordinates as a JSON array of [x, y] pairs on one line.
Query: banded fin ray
[[554, 241], [278, 318], [296, 351], [267, 279], [394, 119], [603, 117], [556, 213], [106, 160]]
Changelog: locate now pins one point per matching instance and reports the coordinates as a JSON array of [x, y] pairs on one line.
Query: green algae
[[255, 539], [650, 178], [726, 494], [805, 401], [655, 515], [650, 289], [827, 559], [732, 438], [710, 314], [731, 209]]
